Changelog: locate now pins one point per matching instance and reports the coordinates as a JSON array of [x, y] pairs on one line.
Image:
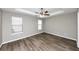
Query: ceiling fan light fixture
[[42, 12]]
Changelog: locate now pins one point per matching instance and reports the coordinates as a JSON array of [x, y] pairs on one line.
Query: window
[[39, 24], [16, 24]]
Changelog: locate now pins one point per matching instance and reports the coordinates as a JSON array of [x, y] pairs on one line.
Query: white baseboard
[[77, 45], [62, 36], [1, 45], [20, 38]]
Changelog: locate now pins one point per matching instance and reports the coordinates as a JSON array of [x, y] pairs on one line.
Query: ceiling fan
[[43, 12]]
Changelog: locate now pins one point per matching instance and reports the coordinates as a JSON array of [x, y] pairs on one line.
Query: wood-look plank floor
[[41, 42]]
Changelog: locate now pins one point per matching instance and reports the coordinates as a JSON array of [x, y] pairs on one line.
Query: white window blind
[[39, 24], [16, 24]]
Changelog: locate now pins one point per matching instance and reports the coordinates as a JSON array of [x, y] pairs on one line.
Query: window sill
[[17, 33]]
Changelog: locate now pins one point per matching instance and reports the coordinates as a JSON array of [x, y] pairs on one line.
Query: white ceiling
[[51, 10], [31, 11]]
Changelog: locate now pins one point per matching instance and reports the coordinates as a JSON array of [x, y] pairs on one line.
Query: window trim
[[14, 33], [40, 24]]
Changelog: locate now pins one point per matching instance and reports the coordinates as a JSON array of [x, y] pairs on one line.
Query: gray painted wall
[[0, 28], [64, 25], [29, 27], [78, 29]]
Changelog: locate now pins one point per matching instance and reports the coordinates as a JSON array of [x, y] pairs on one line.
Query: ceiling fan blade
[[46, 11], [46, 14]]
